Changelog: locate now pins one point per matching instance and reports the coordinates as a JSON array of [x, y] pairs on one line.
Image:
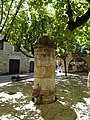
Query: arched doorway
[[78, 65], [31, 66]]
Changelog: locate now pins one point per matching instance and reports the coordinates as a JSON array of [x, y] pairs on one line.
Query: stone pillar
[[44, 70]]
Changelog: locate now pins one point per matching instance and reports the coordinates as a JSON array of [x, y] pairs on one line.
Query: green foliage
[[35, 18]]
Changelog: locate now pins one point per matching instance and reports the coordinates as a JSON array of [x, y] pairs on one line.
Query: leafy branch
[[12, 21], [6, 16], [79, 20]]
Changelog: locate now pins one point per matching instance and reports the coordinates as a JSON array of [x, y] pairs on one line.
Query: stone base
[[41, 100], [49, 99], [44, 97]]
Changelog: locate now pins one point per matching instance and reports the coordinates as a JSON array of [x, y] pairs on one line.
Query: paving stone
[[56, 111]]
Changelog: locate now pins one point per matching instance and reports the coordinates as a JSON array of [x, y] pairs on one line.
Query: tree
[[65, 45], [24, 21], [79, 20], [67, 41], [8, 15]]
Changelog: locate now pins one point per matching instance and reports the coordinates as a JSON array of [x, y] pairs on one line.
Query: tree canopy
[[66, 22]]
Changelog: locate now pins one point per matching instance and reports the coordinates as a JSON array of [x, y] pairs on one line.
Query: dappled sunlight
[[71, 91], [82, 109], [4, 84], [15, 102], [28, 109], [10, 97], [8, 117], [63, 103]]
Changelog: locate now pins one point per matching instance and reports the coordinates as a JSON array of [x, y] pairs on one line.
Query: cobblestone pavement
[[73, 100]]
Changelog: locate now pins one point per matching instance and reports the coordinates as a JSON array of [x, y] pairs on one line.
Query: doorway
[[14, 66], [31, 66]]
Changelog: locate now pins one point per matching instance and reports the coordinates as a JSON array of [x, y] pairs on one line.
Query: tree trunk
[[65, 66]]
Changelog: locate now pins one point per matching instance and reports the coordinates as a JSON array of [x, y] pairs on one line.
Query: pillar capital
[[44, 41]]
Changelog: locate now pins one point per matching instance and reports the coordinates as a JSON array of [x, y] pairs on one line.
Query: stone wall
[[84, 57], [8, 53], [73, 56]]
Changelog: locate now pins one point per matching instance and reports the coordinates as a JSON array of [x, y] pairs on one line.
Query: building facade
[[13, 62], [77, 63]]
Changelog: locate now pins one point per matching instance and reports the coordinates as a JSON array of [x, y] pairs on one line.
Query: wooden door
[[14, 66]]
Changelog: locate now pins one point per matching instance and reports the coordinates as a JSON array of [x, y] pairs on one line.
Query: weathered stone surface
[[8, 53], [44, 69], [45, 41], [70, 57]]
